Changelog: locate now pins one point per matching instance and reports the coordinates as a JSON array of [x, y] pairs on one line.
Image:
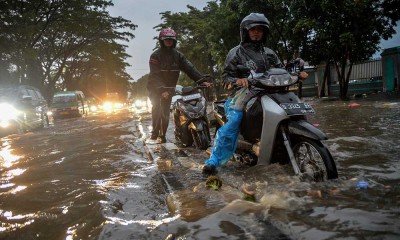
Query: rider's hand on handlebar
[[242, 82], [303, 76], [165, 94], [206, 84]]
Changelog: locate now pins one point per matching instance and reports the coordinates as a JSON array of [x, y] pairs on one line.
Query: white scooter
[[274, 128]]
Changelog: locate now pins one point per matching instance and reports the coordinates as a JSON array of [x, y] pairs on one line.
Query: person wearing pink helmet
[[166, 63]]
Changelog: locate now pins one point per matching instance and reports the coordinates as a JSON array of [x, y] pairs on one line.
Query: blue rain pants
[[226, 139]]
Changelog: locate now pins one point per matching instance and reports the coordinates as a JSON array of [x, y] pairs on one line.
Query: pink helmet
[[167, 33]]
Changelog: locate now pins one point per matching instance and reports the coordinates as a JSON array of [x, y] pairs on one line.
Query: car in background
[[112, 102], [69, 104], [140, 105], [93, 104], [22, 108]]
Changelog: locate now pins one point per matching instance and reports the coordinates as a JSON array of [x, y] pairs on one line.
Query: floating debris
[[248, 194], [354, 105], [213, 182]]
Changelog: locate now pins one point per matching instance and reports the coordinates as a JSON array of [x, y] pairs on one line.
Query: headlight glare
[[8, 112]]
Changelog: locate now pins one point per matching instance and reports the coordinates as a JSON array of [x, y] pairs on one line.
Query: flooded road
[[98, 178]]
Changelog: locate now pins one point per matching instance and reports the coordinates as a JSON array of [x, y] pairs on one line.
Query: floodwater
[[98, 178]]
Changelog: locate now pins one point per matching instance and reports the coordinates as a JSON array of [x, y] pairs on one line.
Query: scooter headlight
[[194, 115], [192, 112]]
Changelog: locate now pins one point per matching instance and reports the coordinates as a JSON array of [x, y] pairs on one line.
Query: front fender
[[306, 129], [196, 125]]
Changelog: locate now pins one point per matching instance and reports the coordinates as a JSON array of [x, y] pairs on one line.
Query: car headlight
[[93, 108], [8, 112], [139, 103], [118, 105], [107, 106]]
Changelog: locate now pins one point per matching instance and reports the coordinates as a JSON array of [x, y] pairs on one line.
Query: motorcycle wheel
[[314, 160], [185, 138], [201, 139]]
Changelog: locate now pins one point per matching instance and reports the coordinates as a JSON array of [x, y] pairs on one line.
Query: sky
[[146, 14]]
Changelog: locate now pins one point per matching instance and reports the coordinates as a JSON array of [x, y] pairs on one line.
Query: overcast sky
[[146, 14]]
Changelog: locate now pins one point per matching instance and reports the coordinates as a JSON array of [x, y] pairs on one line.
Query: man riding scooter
[[251, 53]]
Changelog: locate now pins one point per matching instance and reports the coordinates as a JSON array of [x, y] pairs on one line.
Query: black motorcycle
[[190, 118]]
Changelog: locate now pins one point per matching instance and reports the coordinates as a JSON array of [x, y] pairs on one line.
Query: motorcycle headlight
[[8, 112], [194, 115], [191, 113], [281, 80]]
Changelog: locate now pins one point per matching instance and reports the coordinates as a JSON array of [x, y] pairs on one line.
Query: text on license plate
[[297, 108], [191, 97]]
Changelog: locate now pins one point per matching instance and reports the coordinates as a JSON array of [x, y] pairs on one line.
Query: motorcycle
[[275, 129], [190, 118]]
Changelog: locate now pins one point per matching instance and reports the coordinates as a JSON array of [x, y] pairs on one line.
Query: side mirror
[[26, 98], [187, 90], [243, 71]]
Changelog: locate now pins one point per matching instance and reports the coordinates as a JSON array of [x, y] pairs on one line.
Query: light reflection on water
[[7, 162], [109, 190], [7, 158], [364, 142]]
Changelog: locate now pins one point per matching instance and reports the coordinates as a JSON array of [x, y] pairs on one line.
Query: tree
[[138, 88], [346, 32], [341, 32], [48, 42]]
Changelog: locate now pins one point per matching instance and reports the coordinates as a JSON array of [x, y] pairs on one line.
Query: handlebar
[[205, 78]]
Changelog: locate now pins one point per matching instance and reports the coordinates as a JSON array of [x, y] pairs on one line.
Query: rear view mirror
[[26, 98], [186, 90]]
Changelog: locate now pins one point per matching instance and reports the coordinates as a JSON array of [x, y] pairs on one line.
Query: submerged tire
[[201, 139], [314, 160]]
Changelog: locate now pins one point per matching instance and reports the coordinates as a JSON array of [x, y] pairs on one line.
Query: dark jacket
[[253, 55], [165, 66]]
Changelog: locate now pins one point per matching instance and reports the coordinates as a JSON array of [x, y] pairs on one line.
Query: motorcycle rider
[[251, 53], [165, 66]]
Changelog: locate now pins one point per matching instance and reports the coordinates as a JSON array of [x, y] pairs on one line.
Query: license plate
[[297, 108], [191, 97]]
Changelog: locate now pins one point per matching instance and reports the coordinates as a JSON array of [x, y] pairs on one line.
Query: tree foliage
[[341, 32], [55, 45], [347, 32]]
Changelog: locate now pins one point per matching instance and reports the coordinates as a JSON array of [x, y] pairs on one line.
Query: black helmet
[[252, 20]]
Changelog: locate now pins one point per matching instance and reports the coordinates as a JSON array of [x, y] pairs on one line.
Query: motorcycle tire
[[314, 159], [185, 138], [201, 139]]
